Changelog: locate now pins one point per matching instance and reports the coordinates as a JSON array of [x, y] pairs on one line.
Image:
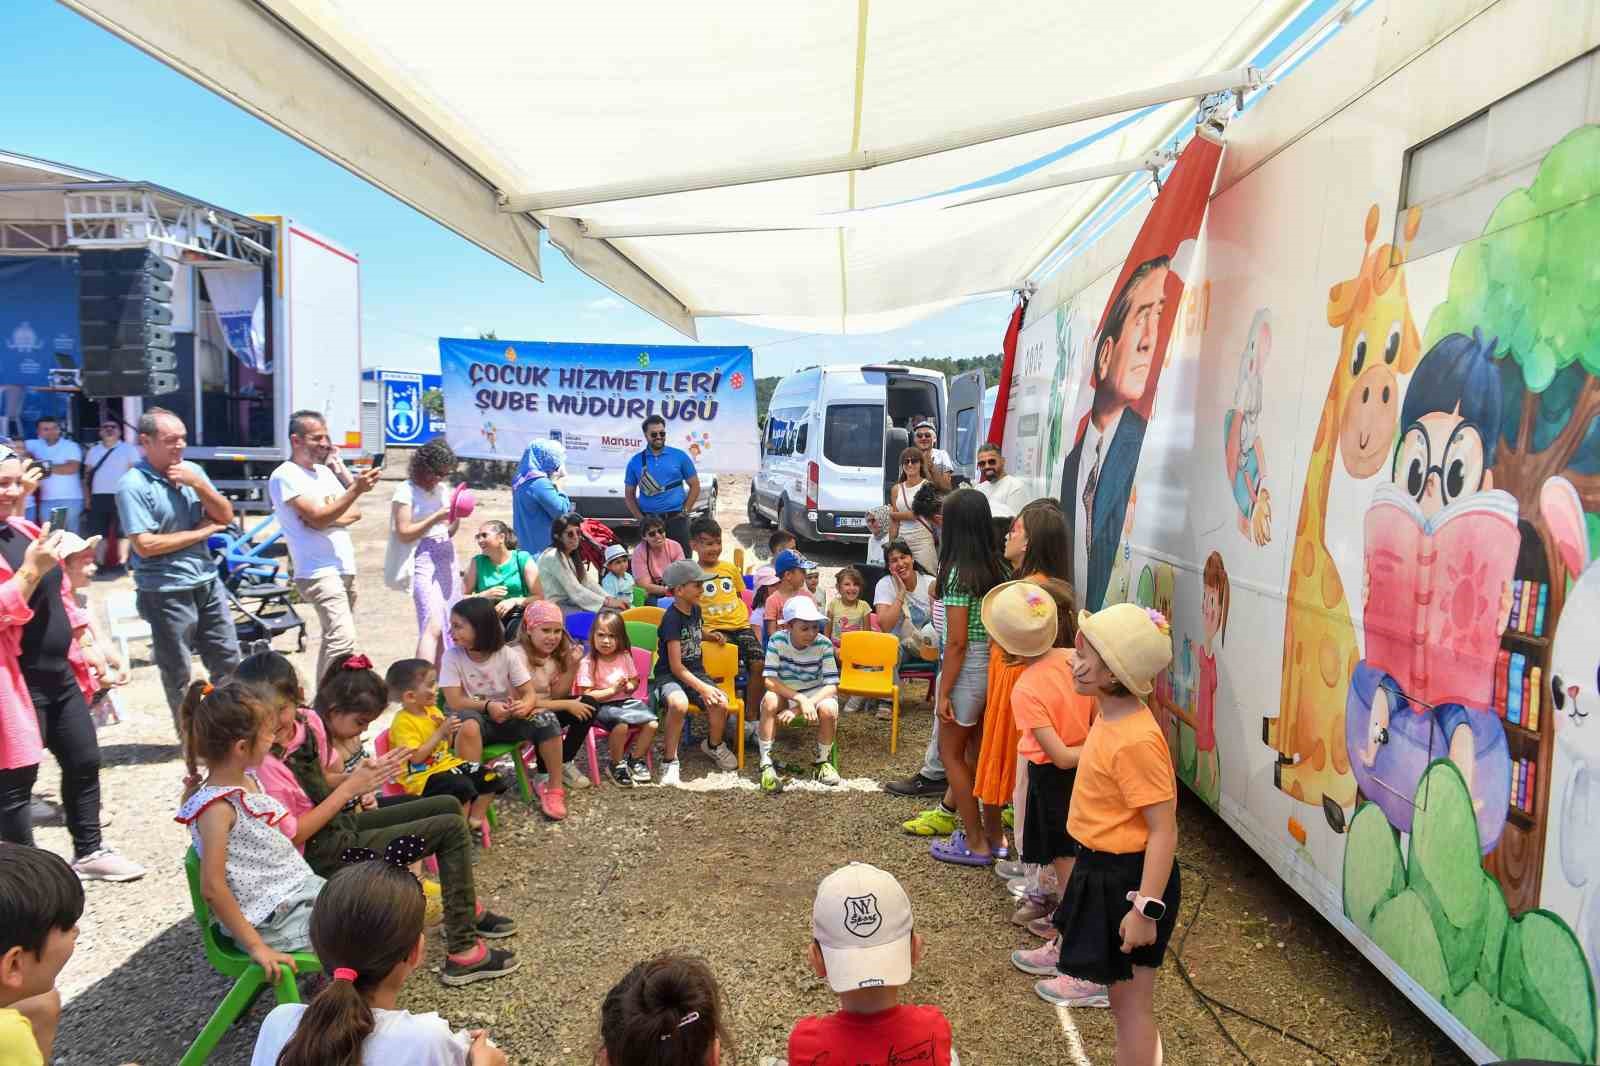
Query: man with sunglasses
[[1004, 490], [109, 458], [662, 482], [925, 438]]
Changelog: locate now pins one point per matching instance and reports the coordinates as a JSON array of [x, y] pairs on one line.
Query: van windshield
[[852, 434]]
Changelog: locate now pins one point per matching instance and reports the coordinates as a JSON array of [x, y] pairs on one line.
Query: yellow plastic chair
[[230, 961], [738, 559], [867, 664], [649, 613], [721, 662]]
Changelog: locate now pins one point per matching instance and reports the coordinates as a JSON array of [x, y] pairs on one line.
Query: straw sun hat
[[1021, 618], [1134, 641]]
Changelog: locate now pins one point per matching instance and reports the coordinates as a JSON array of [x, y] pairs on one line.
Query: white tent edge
[[330, 112]]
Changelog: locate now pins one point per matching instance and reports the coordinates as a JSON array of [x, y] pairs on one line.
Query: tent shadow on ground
[[150, 1008]]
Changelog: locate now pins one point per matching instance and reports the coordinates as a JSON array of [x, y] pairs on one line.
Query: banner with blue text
[[500, 395]]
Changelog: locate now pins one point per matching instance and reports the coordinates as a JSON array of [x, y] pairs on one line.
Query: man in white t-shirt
[[314, 504], [1007, 494], [109, 458], [62, 488], [940, 465]]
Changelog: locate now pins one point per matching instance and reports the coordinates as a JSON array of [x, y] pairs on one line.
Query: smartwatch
[[1148, 906]]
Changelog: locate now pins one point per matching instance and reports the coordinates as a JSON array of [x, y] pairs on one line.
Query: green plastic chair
[[646, 636], [640, 596], [227, 959], [491, 752]]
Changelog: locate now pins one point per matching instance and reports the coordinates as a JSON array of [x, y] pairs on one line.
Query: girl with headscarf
[[536, 497]]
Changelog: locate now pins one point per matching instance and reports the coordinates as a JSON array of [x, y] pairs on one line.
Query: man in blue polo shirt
[[663, 482], [168, 508]]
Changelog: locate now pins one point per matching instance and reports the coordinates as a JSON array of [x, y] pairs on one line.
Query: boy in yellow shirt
[[41, 901], [438, 742], [723, 607]]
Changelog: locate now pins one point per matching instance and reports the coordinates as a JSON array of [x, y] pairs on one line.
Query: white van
[[834, 435]]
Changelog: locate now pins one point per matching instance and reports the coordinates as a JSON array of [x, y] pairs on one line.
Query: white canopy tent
[[802, 165]]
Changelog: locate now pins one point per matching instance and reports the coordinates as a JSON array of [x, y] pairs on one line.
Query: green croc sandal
[[935, 822], [1008, 817]]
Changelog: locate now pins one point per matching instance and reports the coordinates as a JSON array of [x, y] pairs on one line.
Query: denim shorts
[[624, 712], [971, 688]]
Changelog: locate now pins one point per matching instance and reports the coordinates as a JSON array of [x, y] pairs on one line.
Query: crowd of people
[[1047, 764]]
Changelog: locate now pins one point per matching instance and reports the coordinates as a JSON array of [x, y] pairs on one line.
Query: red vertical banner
[[1126, 357], [1008, 365]]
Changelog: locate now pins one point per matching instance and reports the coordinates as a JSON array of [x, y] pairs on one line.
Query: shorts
[[463, 785], [289, 928], [788, 704], [535, 729], [749, 645], [970, 691], [1044, 830], [664, 689], [1090, 917], [623, 713]]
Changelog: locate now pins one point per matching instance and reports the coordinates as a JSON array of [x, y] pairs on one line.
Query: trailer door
[[964, 425]]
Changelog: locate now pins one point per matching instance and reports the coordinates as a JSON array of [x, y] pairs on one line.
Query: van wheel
[[754, 516], [789, 525]]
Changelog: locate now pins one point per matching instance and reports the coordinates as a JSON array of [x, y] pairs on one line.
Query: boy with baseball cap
[[680, 675], [864, 945], [802, 675], [790, 567]]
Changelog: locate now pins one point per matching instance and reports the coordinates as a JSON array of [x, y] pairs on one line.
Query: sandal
[[955, 851]]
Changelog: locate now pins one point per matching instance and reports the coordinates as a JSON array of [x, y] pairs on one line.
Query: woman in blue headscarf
[[536, 499]]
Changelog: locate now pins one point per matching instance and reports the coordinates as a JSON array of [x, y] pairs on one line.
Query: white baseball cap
[[862, 921], [801, 609]]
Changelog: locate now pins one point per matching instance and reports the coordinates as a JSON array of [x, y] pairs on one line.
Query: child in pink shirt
[[607, 679]]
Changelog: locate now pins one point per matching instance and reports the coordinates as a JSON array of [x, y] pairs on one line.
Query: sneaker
[[1064, 991], [853, 705], [934, 822], [1032, 907], [721, 755], [106, 865], [1005, 871], [639, 770], [496, 962], [916, 785], [622, 774], [553, 802], [572, 777], [826, 774], [492, 926], [670, 774], [770, 781], [1039, 961], [1043, 927]]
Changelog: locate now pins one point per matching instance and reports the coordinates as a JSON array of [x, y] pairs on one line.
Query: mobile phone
[[377, 461], [58, 518]]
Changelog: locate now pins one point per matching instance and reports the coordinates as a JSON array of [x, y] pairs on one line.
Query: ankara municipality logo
[[861, 915], [24, 339]]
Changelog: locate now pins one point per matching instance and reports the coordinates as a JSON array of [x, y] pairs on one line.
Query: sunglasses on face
[[912, 462], [656, 533], [656, 436]]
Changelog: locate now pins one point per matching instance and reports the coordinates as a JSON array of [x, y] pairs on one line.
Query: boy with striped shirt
[[802, 677]]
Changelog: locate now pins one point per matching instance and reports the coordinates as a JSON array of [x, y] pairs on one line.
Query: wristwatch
[[1149, 906]]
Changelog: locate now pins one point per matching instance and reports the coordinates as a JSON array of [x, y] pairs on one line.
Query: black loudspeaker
[[125, 323]]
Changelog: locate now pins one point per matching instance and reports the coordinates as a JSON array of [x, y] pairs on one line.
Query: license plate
[[848, 522]]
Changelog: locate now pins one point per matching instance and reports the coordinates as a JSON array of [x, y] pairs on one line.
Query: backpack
[[597, 537]]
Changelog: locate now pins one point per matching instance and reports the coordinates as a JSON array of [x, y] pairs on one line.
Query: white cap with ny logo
[[862, 921]]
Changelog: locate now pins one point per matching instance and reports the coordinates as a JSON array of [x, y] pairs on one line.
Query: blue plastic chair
[[244, 557], [664, 602], [750, 582], [579, 624]]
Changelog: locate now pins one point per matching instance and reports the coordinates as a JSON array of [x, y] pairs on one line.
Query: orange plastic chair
[[721, 663], [649, 613], [867, 664]]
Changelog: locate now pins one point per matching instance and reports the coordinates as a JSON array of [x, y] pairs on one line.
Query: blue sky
[[76, 94]]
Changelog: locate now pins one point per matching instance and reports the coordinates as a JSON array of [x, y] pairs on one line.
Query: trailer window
[[852, 434], [1458, 177]]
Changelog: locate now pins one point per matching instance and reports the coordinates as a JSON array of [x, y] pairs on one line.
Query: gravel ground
[[718, 869]]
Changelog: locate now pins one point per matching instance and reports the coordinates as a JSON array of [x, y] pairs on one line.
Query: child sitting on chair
[[617, 581], [608, 678], [802, 676], [439, 745], [680, 675], [41, 900]]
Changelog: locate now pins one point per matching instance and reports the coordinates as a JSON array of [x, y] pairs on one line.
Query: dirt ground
[[721, 870]]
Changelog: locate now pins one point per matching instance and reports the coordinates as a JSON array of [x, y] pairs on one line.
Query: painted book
[[1434, 592]]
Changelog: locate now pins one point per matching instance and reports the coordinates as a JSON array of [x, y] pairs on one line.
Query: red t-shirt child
[[902, 1034]]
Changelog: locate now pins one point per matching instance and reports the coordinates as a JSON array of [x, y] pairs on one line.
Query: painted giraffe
[[1378, 342]]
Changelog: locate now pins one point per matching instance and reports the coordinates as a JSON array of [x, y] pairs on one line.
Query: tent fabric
[[539, 98]]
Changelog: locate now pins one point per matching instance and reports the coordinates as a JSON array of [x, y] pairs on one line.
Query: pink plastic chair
[[748, 595], [641, 663]]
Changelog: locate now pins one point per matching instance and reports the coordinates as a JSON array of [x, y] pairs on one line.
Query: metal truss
[[122, 215]]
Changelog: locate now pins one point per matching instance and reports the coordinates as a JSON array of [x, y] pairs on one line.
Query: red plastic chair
[[641, 663]]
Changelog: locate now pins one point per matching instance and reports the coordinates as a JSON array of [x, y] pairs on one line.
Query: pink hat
[[542, 613], [764, 576], [462, 502]]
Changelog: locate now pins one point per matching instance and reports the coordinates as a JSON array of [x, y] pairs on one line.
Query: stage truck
[[265, 319], [1368, 495]]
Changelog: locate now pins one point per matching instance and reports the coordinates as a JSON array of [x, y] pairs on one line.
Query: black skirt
[[1091, 912], [1044, 827]]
